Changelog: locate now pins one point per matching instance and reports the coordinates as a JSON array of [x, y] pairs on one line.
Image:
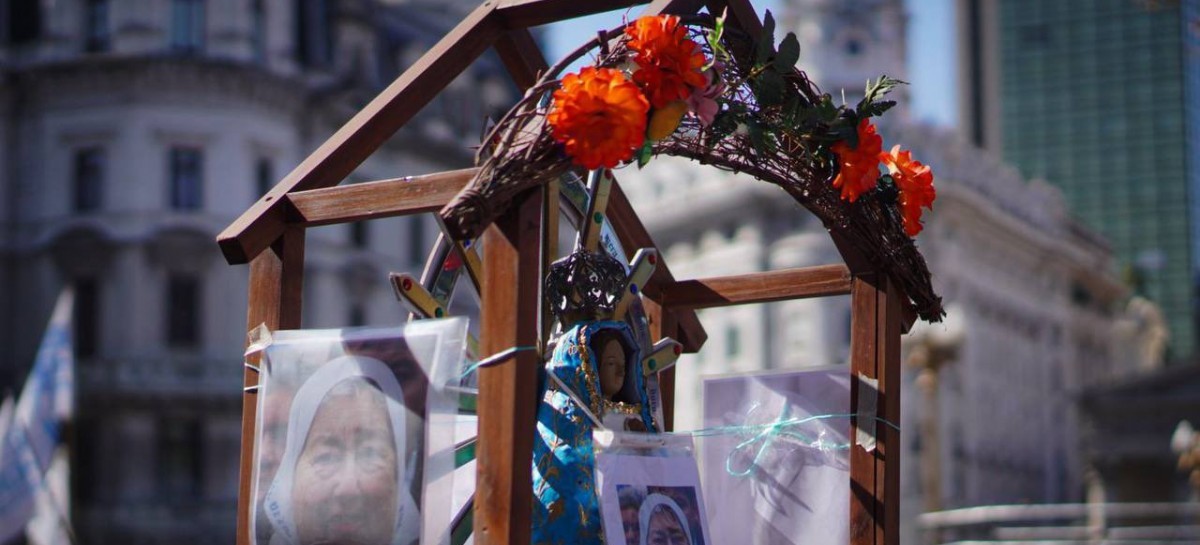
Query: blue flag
[[30, 432]]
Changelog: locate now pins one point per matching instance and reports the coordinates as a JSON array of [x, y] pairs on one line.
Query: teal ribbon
[[766, 434], [495, 358]]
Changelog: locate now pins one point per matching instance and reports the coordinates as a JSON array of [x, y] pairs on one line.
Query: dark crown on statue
[[584, 286]]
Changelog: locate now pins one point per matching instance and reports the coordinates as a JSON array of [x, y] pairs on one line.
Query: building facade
[[1099, 98], [131, 133]]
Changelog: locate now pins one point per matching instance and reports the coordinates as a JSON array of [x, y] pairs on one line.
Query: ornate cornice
[[159, 79]]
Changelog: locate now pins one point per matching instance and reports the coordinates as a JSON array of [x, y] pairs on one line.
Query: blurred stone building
[[131, 133], [1036, 312]]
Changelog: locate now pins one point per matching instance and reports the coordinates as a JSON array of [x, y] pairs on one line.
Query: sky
[[930, 56]]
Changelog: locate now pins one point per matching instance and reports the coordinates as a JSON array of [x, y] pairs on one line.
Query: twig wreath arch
[[691, 87]]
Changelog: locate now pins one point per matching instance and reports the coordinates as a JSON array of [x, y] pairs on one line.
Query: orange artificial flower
[[915, 183], [858, 168], [668, 61], [599, 116]]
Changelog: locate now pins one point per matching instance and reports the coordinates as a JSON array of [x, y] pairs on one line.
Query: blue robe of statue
[[566, 509]]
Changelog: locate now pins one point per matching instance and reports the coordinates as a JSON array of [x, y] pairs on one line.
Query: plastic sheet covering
[[775, 457], [649, 488], [341, 439], [453, 427]]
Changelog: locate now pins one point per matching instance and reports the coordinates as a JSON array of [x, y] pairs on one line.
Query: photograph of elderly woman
[[341, 416], [660, 515]]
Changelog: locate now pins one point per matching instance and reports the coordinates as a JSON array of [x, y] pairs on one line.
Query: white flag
[[49, 525]]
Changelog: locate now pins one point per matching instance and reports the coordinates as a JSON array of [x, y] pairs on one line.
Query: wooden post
[[508, 390], [663, 324], [276, 282], [875, 354]]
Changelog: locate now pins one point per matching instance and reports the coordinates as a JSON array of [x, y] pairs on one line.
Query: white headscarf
[[652, 502], [304, 409]]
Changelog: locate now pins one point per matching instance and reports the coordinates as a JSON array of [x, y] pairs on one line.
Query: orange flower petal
[[915, 184], [599, 116], [858, 168], [668, 61]]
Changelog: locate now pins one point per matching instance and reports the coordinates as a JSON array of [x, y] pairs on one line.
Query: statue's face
[[612, 368], [346, 476]]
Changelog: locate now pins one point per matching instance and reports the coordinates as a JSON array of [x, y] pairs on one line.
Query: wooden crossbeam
[[519, 52], [765, 287], [531, 13], [740, 14], [343, 152], [380, 199]]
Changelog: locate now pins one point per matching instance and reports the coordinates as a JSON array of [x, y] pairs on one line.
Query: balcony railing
[[172, 374], [158, 522], [1076, 523]]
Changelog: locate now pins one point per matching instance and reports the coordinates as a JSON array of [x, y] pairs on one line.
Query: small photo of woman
[[660, 515]]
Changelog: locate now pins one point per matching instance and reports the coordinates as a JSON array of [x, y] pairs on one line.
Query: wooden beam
[[633, 236], [521, 56], [823, 281], [531, 13], [674, 7], [875, 354], [508, 399], [374, 200], [260, 225], [740, 14], [276, 286], [887, 459], [662, 324]]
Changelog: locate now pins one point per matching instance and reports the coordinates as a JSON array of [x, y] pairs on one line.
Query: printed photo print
[[340, 436], [660, 515]]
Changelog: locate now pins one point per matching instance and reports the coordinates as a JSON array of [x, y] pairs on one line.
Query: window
[[187, 25], [853, 47], [313, 35], [180, 460], [95, 26], [86, 318], [360, 236], [264, 176], [183, 311], [88, 185], [24, 22], [258, 20], [187, 178]]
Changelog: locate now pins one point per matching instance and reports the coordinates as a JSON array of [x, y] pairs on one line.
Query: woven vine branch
[[774, 125]]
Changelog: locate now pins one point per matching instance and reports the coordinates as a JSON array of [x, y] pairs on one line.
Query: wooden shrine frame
[[270, 236]]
